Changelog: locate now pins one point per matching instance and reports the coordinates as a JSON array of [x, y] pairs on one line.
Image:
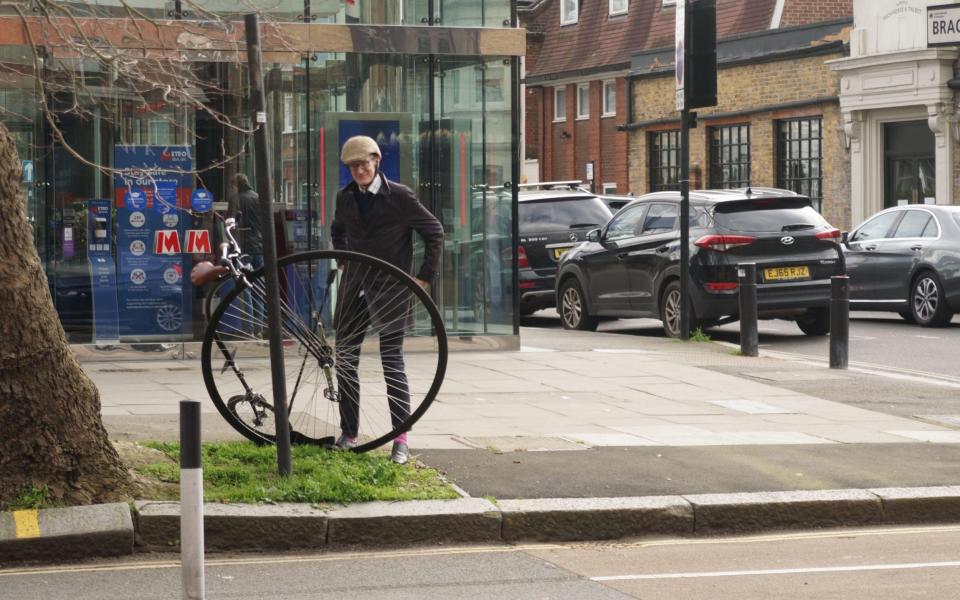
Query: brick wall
[[753, 87], [803, 12], [533, 122]]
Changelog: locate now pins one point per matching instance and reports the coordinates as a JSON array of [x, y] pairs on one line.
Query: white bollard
[[191, 502]]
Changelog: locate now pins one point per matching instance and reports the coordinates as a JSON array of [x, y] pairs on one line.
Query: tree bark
[[51, 433]]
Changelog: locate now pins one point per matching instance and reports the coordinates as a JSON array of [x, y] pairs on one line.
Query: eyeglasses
[[360, 164]]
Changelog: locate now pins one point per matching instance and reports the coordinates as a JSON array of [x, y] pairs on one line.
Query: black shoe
[[400, 453]]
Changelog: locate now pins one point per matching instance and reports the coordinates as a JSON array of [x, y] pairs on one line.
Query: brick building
[[777, 122]]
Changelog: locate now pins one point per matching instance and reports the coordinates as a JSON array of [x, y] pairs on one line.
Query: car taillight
[[522, 260], [722, 243], [721, 286], [830, 234]]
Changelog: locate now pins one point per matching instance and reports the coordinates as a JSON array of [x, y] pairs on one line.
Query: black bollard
[[749, 339], [839, 321], [191, 502]]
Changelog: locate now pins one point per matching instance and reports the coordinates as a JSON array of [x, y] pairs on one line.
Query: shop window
[[800, 157], [569, 11], [583, 101], [559, 104], [664, 161], [730, 157]]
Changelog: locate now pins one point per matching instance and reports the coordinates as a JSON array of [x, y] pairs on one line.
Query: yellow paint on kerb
[[27, 523]]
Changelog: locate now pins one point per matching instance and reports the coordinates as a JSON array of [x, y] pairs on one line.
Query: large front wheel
[[364, 351]]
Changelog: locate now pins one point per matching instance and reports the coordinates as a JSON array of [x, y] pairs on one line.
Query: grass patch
[[32, 497], [247, 473], [698, 335]]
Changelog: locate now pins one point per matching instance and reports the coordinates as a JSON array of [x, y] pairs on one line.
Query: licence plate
[[558, 252], [786, 273]]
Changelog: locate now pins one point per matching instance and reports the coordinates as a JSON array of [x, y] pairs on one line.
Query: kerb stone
[[415, 522], [731, 513], [235, 526], [569, 519]]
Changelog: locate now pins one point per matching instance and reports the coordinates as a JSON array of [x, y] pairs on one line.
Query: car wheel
[[928, 303], [816, 322], [670, 311], [573, 308]]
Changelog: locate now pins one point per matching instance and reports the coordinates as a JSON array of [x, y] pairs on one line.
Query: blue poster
[[201, 200], [103, 283], [152, 188], [387, 135]]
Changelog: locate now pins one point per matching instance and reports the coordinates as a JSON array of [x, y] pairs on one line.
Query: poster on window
[[151, 188]]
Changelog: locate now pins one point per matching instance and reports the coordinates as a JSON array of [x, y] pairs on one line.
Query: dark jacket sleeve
[[424, 223], [338, 233]]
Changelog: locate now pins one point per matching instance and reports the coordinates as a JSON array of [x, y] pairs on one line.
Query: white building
[[899, 111]]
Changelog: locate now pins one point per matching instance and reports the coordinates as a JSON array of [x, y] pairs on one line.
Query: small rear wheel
[[928, 303], [573, 308], [816, 322]]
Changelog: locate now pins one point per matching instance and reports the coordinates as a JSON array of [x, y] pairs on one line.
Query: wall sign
[[943, 25]]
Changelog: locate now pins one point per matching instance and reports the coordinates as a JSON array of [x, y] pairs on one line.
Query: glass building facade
[[434, 80]]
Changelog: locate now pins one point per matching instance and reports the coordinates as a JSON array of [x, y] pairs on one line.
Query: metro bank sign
[[167, 242], [943, 25]]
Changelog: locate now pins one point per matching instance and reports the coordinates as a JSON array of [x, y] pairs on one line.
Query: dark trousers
[[349, 339]]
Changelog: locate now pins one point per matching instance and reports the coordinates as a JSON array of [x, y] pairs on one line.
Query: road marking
[[227, 562], [27, 523], [890, 567]]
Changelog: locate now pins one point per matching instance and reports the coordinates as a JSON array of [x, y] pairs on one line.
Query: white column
[[853, 132], [941, 124]]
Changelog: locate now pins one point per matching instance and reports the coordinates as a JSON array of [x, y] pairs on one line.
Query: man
[[377, 216], [249, 205]]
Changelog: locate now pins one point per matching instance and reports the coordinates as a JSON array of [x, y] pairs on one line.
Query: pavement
[[576, 436]]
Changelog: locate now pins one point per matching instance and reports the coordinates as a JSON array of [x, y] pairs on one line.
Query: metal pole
[[684, 224], [258, 102], [191, 502], [839, 321], [749, 342]]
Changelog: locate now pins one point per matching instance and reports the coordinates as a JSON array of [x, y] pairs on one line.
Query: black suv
[[551, 221], [631, 267]]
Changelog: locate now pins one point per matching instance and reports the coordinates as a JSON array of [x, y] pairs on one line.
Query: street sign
[[943, 25], [680, 51]]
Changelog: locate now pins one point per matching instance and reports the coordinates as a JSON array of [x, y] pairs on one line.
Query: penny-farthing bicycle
[[320, 295]]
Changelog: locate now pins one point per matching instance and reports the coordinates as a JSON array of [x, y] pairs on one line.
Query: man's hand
[[424, 284]]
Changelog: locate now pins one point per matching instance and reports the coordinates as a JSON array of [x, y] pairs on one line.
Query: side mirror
[[593, 235], [843, 237]]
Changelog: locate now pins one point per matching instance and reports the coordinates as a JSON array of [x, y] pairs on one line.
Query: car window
[[876, 228], [562, 214], [660, 218], [699, 217], [916, 223], [627, 224], [767, 215]]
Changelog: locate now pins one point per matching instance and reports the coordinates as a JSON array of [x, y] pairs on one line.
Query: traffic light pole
[[684, 224]]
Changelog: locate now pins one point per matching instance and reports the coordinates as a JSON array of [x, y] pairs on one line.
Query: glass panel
[[913, 224], [927, 184], [876, 228], [475, 13], [660, 218]]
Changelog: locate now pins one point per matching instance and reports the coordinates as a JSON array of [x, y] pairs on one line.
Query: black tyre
[[928, 303], [573, 308], [815, 322], [670, 311], [328, 326]]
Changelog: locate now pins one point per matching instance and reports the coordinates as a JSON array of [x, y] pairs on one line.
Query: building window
[[664, 161], [559, 104], [730, 157], [609, 98], [569, 10], [669, 3], [583, 101], [618, 7], [800, 158], [609, 188]]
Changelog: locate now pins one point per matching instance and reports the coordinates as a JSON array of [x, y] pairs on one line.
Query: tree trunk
[[51, 433]]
